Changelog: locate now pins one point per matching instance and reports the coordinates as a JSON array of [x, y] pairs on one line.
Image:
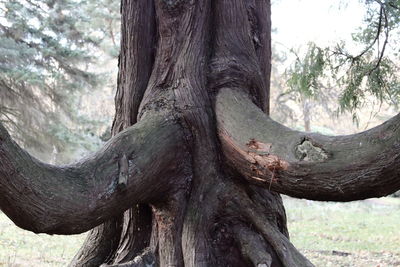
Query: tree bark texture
[[193, 172]]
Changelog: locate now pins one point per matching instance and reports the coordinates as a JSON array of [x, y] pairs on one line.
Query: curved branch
[[135, 166], [306, 165]]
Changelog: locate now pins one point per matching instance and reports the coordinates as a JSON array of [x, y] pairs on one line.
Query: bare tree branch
[[382, 52], [75, 198], [306, 165]]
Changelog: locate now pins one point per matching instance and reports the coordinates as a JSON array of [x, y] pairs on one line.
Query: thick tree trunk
[[193, 182], [191, 234]]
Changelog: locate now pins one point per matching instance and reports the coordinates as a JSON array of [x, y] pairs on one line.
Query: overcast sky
[[320, 21]]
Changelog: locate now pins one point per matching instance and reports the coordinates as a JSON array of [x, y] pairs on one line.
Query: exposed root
[[271, 205], [99, 245], [235, 225], [146, 259], [253, 247], [287, 253], [116, 241], [136, 232]]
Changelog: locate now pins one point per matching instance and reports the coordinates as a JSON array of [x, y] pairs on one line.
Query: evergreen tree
[[372, 71], [46, 48]]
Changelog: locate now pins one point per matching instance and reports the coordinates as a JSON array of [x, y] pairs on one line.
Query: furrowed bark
[[254, 221], [138, 38], [169, 217], [117, 240], [253, 247], [135, 234], [259, 13], [235, 62], [145, 259], [241, 60], [179, 79], [306, 165], [75, 198], [99, 245], [287, 253]]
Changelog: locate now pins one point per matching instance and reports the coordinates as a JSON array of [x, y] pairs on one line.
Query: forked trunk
[[195, 180], [175, 56]]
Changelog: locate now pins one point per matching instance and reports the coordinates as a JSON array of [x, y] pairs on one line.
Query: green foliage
[[305, 73], [372, 72], [46, 49], [105, 18]]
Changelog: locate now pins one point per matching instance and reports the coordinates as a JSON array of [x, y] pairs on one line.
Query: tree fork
[[179, 82], [200, 155]]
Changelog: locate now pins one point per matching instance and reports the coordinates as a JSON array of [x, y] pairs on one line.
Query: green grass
[[362, 225], [361, 233], [23, 248]]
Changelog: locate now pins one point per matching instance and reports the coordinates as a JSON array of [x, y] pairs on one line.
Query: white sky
[[321, 21], [324, 22]]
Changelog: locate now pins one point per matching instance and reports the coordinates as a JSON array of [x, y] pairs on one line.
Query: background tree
[[299, 98], [370, 72], [202, 166], [47, 49]]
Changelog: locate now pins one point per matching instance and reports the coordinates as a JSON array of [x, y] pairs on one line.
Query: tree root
[[253, 247], [145, 259], [99, 245], [135, 235], [266, 225], [234, 224]]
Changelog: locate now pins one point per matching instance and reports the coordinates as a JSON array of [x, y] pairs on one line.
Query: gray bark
[[73, 199], [307, 165]]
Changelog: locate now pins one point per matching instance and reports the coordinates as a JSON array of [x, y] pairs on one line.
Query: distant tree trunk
[[193, 172], [307, 115]]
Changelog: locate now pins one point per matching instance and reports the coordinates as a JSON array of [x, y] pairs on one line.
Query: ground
[[356, 234]]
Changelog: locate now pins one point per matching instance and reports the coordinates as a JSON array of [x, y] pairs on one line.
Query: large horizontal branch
[[307, 165], [138, 165]]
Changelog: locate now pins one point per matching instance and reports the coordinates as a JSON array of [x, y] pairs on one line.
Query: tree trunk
[[208, 227], [191, 175]]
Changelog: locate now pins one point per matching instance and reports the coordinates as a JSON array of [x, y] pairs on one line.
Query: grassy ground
[[356, 234], [23, 248], [361, 233]]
